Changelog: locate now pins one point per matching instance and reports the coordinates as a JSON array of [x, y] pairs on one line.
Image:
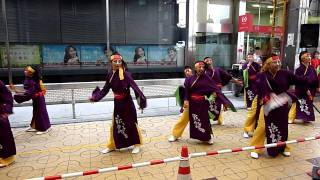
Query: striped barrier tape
[[279, 144], [110, 169], [173, 159]]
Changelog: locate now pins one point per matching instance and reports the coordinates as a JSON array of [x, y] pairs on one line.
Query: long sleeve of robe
[[7, 144], [29, 87], [6, 104]]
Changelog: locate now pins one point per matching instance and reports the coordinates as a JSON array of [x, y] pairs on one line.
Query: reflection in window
[[217, 46], [182, 13], [217, 13]]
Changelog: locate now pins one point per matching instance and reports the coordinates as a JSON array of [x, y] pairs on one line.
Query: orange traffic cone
[[184, 167]]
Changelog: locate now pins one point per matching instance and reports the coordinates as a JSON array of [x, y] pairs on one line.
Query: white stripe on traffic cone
[[184, 167]]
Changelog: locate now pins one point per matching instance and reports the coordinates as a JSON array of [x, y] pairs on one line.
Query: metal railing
[[79, 92]]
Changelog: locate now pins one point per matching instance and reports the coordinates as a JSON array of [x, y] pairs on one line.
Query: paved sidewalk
[[76, 147]]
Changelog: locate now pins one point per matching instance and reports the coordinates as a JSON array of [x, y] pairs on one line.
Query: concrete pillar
[[293, 27], [240, 42], [298, 12]]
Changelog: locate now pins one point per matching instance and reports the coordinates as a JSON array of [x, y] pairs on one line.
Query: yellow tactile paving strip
[[75, 147]]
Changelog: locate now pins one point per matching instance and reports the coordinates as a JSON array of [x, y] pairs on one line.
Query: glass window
[[217, 46], [218, 13], [147, 41], [314, 12], [212, 31], [262, 12]]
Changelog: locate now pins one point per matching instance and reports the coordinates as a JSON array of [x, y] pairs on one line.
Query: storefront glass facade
[[211, 31], [261, 36]]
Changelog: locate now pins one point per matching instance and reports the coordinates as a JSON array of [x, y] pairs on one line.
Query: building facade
[[73, 38]]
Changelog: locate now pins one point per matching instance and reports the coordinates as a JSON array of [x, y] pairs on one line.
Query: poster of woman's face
[[139, 56], [172, 54], [70, 55]]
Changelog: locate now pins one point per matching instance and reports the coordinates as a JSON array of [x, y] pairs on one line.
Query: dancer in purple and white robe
[[7, 144], [124, 131], [221, 78], [303, 107]]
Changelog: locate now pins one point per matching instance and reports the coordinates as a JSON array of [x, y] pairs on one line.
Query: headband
[[275, 58], [198, 63], [30, 69], [121, 70], [305, 54], [116, 57], [271, 59]]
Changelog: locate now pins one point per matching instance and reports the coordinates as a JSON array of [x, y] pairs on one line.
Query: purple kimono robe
[[221, 78], [196, 88], [277, 119], [251, 90], [305, 103], [7, 144], [125, 122], [40, 118]]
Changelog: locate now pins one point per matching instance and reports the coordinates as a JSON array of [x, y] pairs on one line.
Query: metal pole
[[248, 43], [4, 14], [142, 90], [73, 104], [107, 24], [259, 17], [284, 24], [259, 22], [186, 47], [275, 2], [298, 29]]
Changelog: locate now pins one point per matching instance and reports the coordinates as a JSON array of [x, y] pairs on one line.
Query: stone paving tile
[[76, 147]]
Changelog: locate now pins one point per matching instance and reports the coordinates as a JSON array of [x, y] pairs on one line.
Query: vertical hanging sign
[[245, 23]]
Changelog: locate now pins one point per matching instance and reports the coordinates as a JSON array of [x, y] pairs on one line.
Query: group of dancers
[[274, 102], [267, 96], [40, 124]]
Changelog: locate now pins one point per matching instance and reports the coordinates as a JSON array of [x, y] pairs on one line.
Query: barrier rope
[[173, 159]]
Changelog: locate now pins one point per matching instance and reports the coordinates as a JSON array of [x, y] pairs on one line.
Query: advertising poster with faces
[[162, 55], [93, 55], [150, 55], [20, 55], [57, 55], [133, 55]]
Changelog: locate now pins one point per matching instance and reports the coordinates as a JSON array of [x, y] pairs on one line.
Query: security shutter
[[83, 21], [117, 22], [32, 21], [143, 22]]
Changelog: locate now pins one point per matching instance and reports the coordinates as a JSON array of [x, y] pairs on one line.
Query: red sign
[[245, 23], [267, 29]]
